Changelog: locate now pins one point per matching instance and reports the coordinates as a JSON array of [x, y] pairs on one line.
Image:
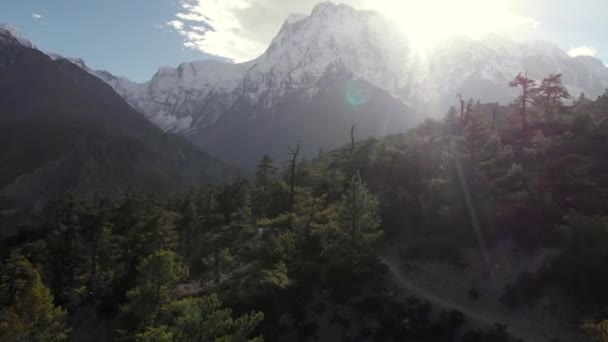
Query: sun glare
[[426, 22]]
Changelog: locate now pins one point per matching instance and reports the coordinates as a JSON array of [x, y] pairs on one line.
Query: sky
[[133, 38]]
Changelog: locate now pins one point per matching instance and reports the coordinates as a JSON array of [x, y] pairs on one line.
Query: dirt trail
[[484, 319]]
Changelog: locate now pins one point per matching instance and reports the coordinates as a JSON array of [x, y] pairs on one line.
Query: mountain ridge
[[63, 129], [413, 81], [202, 99]]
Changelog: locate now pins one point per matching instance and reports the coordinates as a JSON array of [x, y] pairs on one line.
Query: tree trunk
[[352, 140], [216, 262], [524, 98], [292, 174], [355, 213], [461, 110]]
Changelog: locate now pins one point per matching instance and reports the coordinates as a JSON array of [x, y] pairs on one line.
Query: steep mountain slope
[[321, 74], [64, 129], [302, 86], [244, 110], [484, 68]]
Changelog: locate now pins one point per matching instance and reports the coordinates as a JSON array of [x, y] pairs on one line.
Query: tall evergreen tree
[[15, 273], [68, 250], [201, 319], [527, 96], [294, 152], [33, 316], [550, 94], [358, 217], [158, 274]]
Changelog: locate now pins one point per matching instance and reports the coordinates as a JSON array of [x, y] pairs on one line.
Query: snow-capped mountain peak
[[367, 45], [361, 41], [309, 70]]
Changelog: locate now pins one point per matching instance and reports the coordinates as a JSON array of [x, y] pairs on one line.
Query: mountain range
[[63, 129], [335, 67]]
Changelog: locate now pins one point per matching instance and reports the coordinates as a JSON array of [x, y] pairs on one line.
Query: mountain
[[63, 129], [335, 67]]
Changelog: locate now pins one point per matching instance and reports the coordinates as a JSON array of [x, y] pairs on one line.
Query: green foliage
[[528, 92], [358, 219], [33, 317], [15, 274], [268, 190], [596, 332], [305, 238], [549, 95], [201, 319], [579, 269], [482, 140], [158, 275], [155, 334], [276, 277]]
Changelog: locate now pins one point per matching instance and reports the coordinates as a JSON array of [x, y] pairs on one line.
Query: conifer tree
[[68, 251], [33, 316], [266, 178], [550, 94], [596, 332], [201, 319], [527, 96], [157, 276], [15, 273], [358, 217]]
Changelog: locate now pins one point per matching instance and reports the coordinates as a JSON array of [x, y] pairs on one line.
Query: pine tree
[[481, 138], [358, 217], [266, 177], [596, 332], [157, 276], [150, 233], [15, 273], [159, 333], [550, 94], [527, 95], [33, 317], [226, 225], [68, 250], [102, 248], [462, 109], [201, 319], [294, 152], [451, 120], [190, 230]]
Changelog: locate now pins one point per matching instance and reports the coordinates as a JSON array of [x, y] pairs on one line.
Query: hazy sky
[[134, 37]]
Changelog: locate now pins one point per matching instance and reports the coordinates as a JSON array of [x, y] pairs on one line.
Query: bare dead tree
[[294, 152], [352, 139], [461, 108]]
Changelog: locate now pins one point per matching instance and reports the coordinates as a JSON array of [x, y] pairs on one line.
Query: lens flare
[[356, 94]]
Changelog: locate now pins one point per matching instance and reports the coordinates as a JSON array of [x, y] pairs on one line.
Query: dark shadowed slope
[[63, 129]]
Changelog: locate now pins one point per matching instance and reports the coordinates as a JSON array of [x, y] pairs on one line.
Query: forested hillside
[[62, 129], [295, 253]]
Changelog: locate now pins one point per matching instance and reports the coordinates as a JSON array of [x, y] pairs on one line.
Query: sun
[[427, 22]]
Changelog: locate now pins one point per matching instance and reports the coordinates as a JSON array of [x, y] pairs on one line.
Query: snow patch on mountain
[[339, 37]]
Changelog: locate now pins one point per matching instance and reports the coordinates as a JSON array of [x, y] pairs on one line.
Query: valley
[[339, 187]]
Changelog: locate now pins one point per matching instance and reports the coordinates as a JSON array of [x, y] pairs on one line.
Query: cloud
[[242, 29], [236, 29], [176, 24], [39, 18], [582, 51]]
